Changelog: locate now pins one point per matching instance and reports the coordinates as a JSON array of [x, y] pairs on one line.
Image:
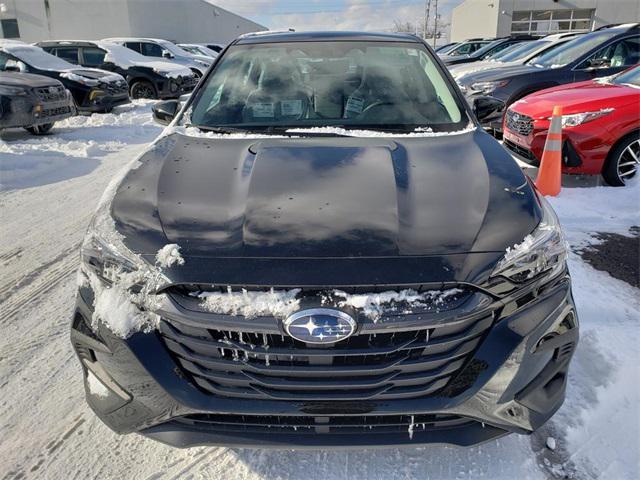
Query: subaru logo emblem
[[320, 325]]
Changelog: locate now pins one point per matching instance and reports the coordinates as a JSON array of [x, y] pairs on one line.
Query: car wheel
[[623, 161], [40, 129], [197, 73], [143, 89]]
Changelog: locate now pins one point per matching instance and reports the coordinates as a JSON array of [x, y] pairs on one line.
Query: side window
[[3, 60], [622, 53], [133, 46], [7, 62], [70, 54], [93, 57], [464, 49], [151, 49]]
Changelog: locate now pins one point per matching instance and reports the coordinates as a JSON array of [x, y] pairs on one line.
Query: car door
[[610, 59]]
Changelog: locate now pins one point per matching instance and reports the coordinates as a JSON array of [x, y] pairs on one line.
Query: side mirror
[[164, 112], [11, 68], [485, 107], [167, 54]]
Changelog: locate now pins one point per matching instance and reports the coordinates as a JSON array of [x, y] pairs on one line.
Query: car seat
[[279, 96]]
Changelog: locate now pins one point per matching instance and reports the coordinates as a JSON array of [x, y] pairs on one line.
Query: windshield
[[497, 56], [38, 58], [573, 49], [630, 77], [173, 48], [374, 85], [189, 49], [487, 48], [464, 48], [122, 55], [523, 50]]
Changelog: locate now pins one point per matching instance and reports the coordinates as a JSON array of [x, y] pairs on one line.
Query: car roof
[[278, 37], [135, 39], [74, 43]]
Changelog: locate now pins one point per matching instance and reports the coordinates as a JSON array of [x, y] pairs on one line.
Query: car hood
[[467, 68], [26, 80], [310, 199], [577, 97], [92, 74], [169, 68], [499, 73]]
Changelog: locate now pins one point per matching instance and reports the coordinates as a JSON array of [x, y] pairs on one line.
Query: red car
[[601, 126]]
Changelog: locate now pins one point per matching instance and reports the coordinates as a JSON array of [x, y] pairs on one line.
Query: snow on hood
[[169, 255], [108, 77], [125, 57], [374, 305], [277, 303], [427, 132], [282, 303]]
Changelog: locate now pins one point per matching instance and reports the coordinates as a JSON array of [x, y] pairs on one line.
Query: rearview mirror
[[485, 107], [164, 112]]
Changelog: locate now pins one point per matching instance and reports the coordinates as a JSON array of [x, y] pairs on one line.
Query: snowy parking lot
[[49, 188]]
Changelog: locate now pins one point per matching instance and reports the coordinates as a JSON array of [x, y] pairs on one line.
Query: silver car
[[156, 47]]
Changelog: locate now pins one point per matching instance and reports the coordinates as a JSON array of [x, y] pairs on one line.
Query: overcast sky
[[334, 14]]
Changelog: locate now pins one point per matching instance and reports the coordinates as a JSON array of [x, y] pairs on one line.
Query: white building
[[185, 21], [499, 18]]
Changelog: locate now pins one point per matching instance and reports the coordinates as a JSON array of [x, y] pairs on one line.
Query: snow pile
[[374, 305], [277, 303], [74, 147], [96, 387], [169, 255], [427, 132]]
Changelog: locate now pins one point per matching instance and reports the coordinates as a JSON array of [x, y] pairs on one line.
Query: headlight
[[6, 90], [488, 87], [542, 251], [580, 118], [105, 256]]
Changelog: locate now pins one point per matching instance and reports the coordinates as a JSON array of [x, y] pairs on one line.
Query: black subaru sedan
[[323, 249]]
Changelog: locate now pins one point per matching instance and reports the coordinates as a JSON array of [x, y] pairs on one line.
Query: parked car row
[[594, 76], [52, 80]]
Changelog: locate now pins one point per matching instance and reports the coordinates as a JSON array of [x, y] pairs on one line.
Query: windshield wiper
[[222, 130]]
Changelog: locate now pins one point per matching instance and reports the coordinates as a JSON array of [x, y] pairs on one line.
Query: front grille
[[51, 94], [523, 152], [519, 123], [352, 424], [390, 365]]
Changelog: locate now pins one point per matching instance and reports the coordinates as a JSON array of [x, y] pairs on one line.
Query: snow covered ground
[[50, 187]]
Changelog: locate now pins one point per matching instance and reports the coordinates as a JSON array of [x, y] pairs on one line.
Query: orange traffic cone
[[550, 171]]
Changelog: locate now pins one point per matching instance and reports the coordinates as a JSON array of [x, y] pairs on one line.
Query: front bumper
[[174, 88], [584, 148], [28, 111], [512, 382]]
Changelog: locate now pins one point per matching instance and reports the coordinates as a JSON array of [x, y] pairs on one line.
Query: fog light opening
[[101, 385]]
